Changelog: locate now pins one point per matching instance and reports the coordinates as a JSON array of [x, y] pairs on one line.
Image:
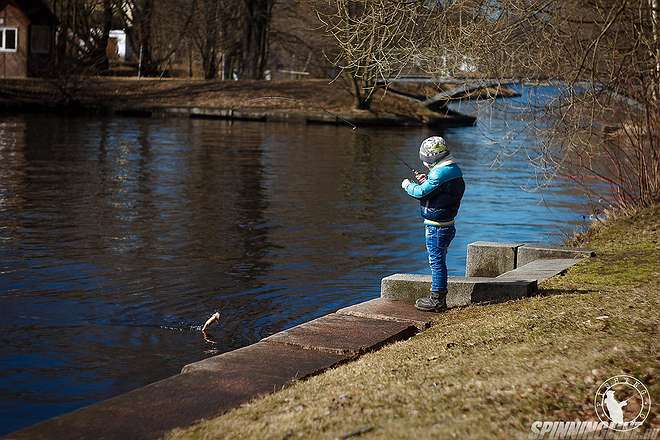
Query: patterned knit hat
[[433, 150]]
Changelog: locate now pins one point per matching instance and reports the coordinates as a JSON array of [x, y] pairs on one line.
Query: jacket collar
[[448, 161]]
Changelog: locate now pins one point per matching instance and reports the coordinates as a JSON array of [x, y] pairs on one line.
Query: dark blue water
[[119, 237]]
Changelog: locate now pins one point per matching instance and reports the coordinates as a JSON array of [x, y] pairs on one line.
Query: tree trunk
[[210, 63], [361, 96], [228, 65], [656, 43], [254, 51], [190, 60], [61, 42], [149, 67], [208, 38], [100, 55]]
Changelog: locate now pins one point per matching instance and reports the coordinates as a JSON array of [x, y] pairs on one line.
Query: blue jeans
[[438, 239]]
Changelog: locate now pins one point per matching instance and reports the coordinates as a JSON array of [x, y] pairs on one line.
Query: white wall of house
[[122, 43]]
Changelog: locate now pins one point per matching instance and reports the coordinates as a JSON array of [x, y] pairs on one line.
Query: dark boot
[[435, 302]]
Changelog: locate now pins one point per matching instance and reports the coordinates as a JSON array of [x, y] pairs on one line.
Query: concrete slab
[[540, 269], [461, 290], [405, 287], [530, 252], [390, 310], [344, 334], [490, 259], [152, 411], [284, 361], [215, 385]]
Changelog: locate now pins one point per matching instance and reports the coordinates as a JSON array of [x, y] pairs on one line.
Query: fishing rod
[[394, 153], [215, 318], [349, 123]]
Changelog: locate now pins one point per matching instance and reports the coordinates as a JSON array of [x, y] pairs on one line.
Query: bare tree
[[255, 37], [376, 40], [215, 34], [603, 56], [84, 29], [138, 16], [211, 11], [99, 51], [297, 43], [604, 133], [157, 30]]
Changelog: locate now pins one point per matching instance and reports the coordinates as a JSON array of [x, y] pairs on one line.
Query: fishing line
[[353, 126], [339, 117], [215, 318]]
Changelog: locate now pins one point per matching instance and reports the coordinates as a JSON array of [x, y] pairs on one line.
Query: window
[[40, 39], [8, 39]]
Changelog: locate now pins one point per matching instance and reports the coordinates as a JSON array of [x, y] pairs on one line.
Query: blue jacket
[[440, 195]]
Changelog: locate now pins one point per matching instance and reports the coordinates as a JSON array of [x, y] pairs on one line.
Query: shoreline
[[491, 370], [309, 102], [383, 355], [216, 385], [455, 119]]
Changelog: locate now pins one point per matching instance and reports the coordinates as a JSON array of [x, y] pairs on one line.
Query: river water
[[119, 236]]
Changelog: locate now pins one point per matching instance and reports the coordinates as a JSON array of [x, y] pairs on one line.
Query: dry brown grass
[[307, 95]]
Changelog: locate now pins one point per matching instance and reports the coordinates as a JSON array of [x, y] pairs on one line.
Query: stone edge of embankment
[[215, 385]]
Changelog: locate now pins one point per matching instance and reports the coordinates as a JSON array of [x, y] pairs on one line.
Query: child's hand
[[405, 183], [421, 177]]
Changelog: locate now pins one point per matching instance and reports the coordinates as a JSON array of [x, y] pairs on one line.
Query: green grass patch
[[488, 371]]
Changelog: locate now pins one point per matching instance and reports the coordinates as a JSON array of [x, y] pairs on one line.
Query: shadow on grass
[[556, 292]]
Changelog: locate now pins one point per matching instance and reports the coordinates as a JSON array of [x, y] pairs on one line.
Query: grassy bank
[[303, 96], [488, 371]]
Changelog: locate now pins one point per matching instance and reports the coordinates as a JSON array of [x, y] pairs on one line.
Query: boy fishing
[[439, 194]]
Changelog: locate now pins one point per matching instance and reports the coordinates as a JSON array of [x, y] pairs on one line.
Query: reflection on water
[[119, 237]]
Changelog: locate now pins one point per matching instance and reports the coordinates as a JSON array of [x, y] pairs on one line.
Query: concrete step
[[213, 386], [462, 291], [150, 412], [344, 334], [278, 360], [380, 308], [540, 270], [530, 252], [490, 259]]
